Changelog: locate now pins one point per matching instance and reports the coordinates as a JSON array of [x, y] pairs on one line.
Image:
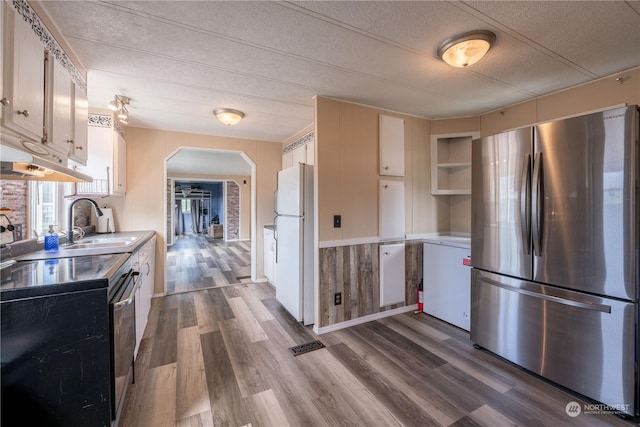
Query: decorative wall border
[[100, 120], [23, 9], [305, 139], [105, 121]]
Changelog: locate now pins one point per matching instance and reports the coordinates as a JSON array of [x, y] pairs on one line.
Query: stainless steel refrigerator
[[294, 242], [555, 251]]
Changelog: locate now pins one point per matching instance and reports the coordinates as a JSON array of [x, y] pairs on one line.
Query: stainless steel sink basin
[[101, 242]]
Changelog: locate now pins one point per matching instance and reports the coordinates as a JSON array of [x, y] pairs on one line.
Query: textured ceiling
[[180, 60]]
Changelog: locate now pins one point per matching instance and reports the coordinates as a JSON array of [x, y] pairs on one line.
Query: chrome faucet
[[70, 227]]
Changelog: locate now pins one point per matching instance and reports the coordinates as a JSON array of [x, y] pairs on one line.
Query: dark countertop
[[27, 279], [40, 272]]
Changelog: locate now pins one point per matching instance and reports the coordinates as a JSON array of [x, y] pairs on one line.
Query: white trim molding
[[364, 319]]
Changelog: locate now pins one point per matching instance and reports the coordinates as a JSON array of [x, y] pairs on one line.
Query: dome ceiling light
[[228, 116], [466, 49]]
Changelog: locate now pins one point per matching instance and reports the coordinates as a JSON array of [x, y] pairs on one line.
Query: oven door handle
[[132, 293]]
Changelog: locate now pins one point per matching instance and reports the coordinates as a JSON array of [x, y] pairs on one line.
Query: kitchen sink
[[101, 242]]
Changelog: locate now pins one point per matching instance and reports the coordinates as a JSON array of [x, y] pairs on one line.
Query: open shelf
[[451, 163]]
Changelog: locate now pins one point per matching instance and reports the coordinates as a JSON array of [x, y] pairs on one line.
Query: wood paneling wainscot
[[354, 271]]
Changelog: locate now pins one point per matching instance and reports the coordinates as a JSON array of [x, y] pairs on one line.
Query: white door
[[289, 193], [289, 264]]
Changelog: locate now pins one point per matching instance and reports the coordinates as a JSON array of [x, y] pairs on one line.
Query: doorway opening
[[210, 220]]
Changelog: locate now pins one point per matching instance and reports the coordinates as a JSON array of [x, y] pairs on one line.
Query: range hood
[[17, 164]]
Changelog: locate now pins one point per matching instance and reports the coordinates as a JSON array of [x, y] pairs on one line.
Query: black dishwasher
[[55, 342]]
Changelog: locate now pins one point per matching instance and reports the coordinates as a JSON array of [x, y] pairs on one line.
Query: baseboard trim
[[364, 319]]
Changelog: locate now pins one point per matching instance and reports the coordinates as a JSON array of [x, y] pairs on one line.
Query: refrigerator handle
[[585, 305], [275, 201], [525, 204], [537, 198], [275, 234]]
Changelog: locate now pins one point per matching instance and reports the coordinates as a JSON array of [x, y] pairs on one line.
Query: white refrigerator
[[294, 242]]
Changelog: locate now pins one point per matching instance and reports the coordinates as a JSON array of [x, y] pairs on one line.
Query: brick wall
[[232, 217], [14, 196]]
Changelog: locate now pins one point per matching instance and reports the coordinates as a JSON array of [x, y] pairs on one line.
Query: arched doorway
[[215, 191]]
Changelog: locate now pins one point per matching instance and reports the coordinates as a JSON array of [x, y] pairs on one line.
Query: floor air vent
[[306, 348]]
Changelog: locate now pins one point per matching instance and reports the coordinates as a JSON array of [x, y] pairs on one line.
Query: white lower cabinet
[[145, 258], [447, 283], [392, 274]]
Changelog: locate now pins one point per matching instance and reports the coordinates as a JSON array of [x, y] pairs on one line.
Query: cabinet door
[[23, 78], [391, 146], [151, 275], [60, 107], [391, 209], [300, 155], [287, 160], [120, 164], [3, 51], [79, 150], [311, 155], [392, 274]]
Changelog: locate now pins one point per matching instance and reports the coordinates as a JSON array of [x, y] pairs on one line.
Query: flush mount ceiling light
[[118, 104], [466, 49], [228, 116]]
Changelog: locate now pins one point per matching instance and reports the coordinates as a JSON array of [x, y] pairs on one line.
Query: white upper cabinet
[[107, 160], [303, 153], [59, 108], [78, 148], [300, 155], [391, 146], [23, 78], [43, 109]]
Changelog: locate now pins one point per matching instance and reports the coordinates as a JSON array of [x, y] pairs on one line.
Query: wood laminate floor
[[198, 261], [219, 357]]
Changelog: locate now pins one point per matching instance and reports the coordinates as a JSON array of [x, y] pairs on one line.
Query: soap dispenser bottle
[[51, 240]]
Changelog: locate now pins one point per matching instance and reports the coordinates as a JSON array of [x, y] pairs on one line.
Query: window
[[47, 206], [186, 205]]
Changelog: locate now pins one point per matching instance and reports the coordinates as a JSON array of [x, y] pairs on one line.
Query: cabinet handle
[[386, 168], [24, 112], [5, 101], [78, 147], [70, 141]]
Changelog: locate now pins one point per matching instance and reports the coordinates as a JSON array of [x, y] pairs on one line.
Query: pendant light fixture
[[466, 49], [228, 116], [118, 104]]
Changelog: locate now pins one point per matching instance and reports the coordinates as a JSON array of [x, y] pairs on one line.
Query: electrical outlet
[[337, 221], [337, 298]]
